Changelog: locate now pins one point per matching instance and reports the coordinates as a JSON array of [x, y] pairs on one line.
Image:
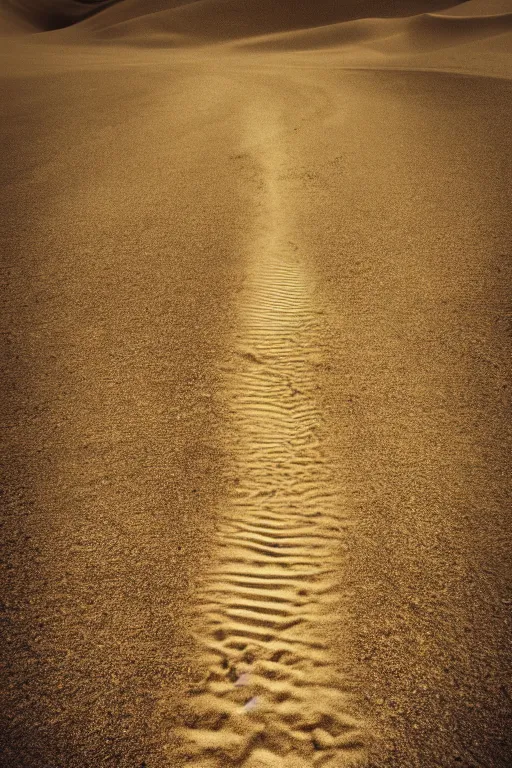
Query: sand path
[[271, 695]]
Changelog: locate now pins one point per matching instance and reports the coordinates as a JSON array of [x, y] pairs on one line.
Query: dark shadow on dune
[[215, 19], [46, 15]]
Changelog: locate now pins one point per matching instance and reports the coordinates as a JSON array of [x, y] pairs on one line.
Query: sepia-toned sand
[[256, 357]]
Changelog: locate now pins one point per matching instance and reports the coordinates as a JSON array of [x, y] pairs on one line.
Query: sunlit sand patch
[[272, 696]]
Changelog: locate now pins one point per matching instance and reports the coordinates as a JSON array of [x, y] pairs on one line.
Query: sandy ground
[[190, 212]]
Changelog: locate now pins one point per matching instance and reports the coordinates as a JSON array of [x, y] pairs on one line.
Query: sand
[[256, 390]]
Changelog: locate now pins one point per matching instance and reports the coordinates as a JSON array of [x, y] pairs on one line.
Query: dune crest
[[213, 20], [469, 37]]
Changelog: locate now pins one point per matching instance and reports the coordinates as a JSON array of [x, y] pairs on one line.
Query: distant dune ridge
[[51, 14], [470, 36], [232, 19]]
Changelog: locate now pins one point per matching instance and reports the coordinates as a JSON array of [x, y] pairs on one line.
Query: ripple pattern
[[271, 697]]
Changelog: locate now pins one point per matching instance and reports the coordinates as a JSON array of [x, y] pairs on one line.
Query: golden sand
[[257, 376]]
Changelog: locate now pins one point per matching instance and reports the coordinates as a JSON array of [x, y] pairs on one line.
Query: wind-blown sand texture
[[256, 411], [271, 695]]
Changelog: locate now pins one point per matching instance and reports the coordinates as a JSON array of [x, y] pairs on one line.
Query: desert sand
[[256, 383]]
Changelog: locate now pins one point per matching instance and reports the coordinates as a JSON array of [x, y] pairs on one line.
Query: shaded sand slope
[[14, 24], [41, 15], [477, 8], [217, 20], [476, 38]]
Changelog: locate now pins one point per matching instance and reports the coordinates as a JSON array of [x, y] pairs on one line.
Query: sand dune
[[216, 20], [256, 353], [209, 21], [12, 23], [476, 8], [220, 20], [473, 38], [424, 32], [42, 15]]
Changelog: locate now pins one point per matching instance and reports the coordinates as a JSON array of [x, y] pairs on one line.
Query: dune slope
[[42, 15], [416, 35], [217, 20]]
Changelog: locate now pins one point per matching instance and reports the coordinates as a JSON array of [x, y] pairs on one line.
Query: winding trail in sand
[[271, 695]]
